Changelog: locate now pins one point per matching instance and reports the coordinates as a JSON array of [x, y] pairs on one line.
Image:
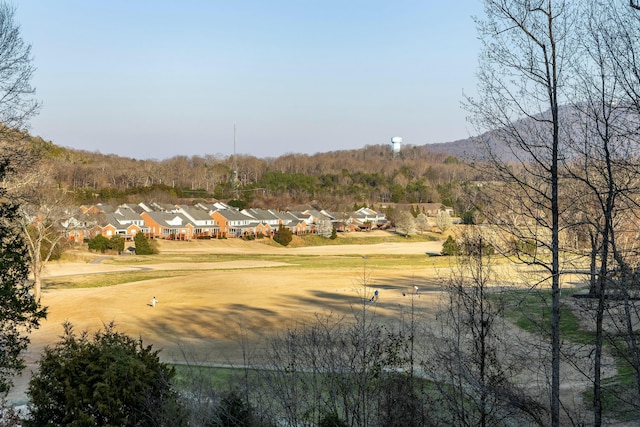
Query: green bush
[[283, 235], [233, 411], [334, 234], [450, 247], [102, 244], [116, 243], [145, 246], [331, 419], [111, 379], [99, 243], [478, 248]]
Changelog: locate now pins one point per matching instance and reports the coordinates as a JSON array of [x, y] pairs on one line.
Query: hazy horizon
[[152, 80]]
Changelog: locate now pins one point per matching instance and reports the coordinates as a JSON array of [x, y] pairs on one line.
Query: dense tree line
[[370, 176]]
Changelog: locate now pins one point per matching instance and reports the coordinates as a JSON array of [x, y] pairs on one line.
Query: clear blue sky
[[155, 79]]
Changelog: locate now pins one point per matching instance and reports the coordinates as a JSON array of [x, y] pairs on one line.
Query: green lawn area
[[107, 279], [399, 263]]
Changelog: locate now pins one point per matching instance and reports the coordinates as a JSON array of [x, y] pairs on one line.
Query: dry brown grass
[[205, 308]]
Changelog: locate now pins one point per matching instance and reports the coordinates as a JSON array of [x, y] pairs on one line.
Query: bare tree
[[405, 223], [443, 220], [422, 222], [325, 228], [608, 99], [601, 159], [526, 44], [474, 366], [41, 213], [17, 104]]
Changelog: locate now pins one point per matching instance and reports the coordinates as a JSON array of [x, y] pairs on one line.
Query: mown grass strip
[[354, 263], [297, 261], [107, 279]]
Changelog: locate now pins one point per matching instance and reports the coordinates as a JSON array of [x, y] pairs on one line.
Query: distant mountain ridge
[[464, 149]]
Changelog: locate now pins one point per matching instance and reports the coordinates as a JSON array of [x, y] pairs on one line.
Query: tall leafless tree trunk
[[526, 44], [603, 144]]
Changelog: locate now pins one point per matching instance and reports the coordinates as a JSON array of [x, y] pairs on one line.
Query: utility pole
[[234, 176]]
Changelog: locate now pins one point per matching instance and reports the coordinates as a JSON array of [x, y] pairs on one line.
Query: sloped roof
[[170, 219], [124, 214], [197, 213], [104, 207], [299, 215], [133, 206], [233, 215], [285, 217], [261, 214]]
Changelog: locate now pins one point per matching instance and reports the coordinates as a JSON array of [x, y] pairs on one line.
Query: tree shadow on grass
[[208, 323], [234, 322]]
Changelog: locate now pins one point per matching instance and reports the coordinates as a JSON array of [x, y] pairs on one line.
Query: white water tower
[[396, 141]]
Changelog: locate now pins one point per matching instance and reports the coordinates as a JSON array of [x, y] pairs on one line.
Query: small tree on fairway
[[283, 235], [405, 224], [422, 222], [111, 379], [443, 221], [144, 246], [325, 228], [450, 247]]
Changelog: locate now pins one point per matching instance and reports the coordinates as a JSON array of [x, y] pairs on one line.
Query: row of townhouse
[[180, 222]]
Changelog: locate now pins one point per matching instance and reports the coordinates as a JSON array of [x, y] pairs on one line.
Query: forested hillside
[[369, 176]]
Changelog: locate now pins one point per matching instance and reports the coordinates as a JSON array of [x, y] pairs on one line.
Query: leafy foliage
[[144, 246], [332, 419], [19, 311], [102, 244], [451, 160], [478, 247], [525, 247], [473, 216], [342, 178], [99, 243], [283, 236], [116, 243], [240, 204], [450, 247], [111, 379], [235, 411]]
